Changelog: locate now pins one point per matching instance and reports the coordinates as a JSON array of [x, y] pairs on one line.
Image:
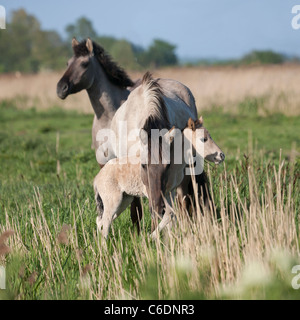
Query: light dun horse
[[123, 178], [120, 180], [155, 104]]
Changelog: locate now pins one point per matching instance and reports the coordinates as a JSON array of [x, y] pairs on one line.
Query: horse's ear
[[143, 136], [191, 124], [201, 120], [74, 42], [89, 45]]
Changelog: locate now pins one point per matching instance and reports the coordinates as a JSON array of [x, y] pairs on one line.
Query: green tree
[[50, 50], [263, 57], [122, 52], [25, 47], [160, 53], [106, 42], [81, 29], [16, 42]]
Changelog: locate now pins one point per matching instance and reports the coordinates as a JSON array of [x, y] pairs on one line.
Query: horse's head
[[80, 72], [202, 142], [155, 164]]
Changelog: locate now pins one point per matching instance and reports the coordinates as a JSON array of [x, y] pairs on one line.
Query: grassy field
[[245, 247]]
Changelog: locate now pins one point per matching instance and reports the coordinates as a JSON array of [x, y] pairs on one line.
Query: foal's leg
[[116, 203], [112, 203]]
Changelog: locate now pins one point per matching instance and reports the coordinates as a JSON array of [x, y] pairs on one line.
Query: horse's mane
[[157, 110], [114, 72]]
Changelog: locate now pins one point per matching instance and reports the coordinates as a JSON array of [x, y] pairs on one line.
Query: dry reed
[[214, 255], [228, 86]]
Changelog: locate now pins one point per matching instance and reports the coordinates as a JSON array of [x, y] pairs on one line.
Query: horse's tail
[[99, 202]]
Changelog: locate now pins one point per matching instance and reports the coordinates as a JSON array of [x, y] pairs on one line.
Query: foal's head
[[202, 141]]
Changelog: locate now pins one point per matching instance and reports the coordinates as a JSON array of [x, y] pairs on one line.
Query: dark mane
[[115, 73]]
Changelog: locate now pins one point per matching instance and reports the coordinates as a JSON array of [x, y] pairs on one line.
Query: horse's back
[[176, 90], [178, 99], [180, 102]]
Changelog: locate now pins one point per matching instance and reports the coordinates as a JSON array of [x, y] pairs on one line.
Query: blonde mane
[[156, 108]]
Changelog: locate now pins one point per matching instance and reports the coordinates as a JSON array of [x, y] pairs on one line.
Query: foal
[[120, 181]]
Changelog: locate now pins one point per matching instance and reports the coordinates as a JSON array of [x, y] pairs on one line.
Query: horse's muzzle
[[62, 89]]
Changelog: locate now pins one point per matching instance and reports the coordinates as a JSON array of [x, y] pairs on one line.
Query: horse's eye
[[85, 64], [204, 139]]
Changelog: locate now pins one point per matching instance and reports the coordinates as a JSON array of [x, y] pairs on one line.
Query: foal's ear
[[191, 124], [201, 120], [89, 45], [143, 136], [74, 42]]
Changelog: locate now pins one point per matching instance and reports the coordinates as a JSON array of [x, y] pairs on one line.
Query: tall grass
[[243, 246]]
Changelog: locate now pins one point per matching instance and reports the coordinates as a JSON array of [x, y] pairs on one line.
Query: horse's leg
[[202, 191], [136, 213], [100, 210], [155, 218], [183, 194], [167, 218], [186, 192], [106, 222], [113, 205]]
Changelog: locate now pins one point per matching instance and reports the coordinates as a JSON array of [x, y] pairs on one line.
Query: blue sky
[[199, 28]]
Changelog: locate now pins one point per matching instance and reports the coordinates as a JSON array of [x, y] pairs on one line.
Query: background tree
[[160, 53], [25, 47], [263, 57], [81, 29]]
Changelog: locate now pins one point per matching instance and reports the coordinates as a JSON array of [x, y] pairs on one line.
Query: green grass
[[47, 168]]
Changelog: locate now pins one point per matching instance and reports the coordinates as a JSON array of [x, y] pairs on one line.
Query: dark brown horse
[[92, 69]]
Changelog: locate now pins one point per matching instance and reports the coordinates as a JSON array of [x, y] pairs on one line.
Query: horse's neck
[[106, 97]]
